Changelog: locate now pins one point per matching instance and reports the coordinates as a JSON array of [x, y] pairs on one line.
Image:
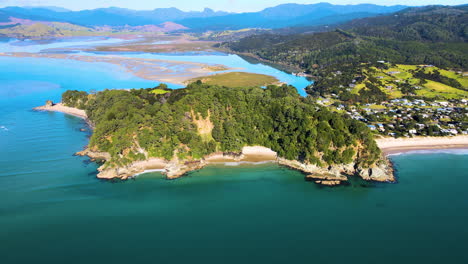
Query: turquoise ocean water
[[54, 210]]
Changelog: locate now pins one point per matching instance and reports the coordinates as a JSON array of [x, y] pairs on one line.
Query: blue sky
[[226, 5]]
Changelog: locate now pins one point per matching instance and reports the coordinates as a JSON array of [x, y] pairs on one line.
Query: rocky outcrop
[[337, 171], [176, 169], [382, 172], [120, 172], [338, 174], [172, 169], [94, 155]]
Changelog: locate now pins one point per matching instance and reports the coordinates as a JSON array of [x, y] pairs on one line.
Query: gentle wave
[[245, 163], [432, 151], [149, 171]]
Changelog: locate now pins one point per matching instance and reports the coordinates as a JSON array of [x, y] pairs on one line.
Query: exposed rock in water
[[49, 103], [327, 179], [329, 183]]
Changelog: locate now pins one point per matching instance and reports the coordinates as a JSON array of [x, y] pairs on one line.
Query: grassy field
[[237, 79], [357, 88], [400, 73], [434, 89], [377, 107], [159, 91], [462, 80]]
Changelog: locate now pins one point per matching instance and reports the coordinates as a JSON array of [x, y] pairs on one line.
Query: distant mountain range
[[112, 16], [286, 15]]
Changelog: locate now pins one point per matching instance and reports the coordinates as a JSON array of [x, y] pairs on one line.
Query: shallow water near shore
[[53, 209], [230, 60], [78, 44]]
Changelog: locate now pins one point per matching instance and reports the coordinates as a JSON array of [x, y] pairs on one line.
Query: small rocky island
[[178, 131]]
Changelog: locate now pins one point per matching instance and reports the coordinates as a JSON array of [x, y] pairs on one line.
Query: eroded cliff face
[[175, 168]]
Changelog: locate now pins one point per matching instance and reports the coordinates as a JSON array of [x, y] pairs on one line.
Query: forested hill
[[432, 23], [431, 35], [435, 35], [201, 119]]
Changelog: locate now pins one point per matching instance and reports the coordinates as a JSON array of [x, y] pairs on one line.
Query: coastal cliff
[[176, 168]]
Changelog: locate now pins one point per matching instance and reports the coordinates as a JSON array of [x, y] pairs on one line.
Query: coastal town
[[409, 118], [400, 100]]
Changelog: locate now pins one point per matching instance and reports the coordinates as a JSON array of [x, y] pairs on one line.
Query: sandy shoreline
[[59, 107], [398, 145], [250, 154]]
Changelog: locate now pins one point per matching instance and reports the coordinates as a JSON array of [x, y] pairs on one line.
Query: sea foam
[[433, 151]]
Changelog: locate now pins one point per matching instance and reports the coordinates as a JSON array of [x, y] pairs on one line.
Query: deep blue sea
[[53, 209]]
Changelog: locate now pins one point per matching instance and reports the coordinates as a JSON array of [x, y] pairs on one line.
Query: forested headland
[[201, 119]]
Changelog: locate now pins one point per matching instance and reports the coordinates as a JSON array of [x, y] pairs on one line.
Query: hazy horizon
[[224, 5]]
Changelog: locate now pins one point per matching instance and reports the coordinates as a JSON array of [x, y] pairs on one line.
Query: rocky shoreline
[[339, 174], [175, 168]]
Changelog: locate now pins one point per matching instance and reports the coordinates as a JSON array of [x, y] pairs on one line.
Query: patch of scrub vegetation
[[237, 79]]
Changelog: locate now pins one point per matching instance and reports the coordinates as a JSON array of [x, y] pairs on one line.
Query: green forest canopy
[[275, 117]]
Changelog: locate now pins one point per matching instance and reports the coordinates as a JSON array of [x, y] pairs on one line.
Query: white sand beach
[[59, 107], [396, 145]]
